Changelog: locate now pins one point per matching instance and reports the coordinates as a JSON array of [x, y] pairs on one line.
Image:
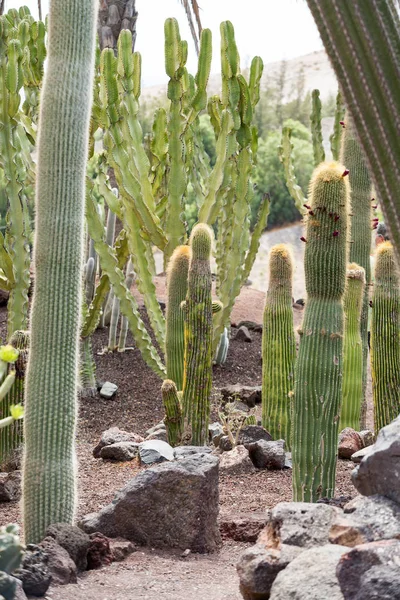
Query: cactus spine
[[318, 374], [173, 411], [177, 285], [197, 377], [352, 157], [352, 348], [385, 341], [278, 347], [52, 377]]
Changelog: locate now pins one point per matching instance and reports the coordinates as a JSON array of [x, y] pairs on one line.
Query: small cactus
[[173, 412]]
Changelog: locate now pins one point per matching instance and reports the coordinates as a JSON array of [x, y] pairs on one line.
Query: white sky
[[273, 29]]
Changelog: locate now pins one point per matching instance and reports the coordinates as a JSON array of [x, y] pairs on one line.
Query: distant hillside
[[317, 70]]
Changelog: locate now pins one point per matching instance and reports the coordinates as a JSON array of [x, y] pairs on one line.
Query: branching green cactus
[[197, 378], [352, 157], [318, 373], [353, 348], [278, 347], [285, 156], [49, 477], [385, 341], [177, 277], [173, 411]]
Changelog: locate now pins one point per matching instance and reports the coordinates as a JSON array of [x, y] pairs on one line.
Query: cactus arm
[[6, 263], [261, 224], [316, 129], [362, 40], [128, 304], [285, 156], [112, 333], [52, 377], [130, 276], [385, 341], [335, 138], [173, 411]]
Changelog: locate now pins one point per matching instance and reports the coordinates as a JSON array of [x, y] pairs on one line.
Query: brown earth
[[149, 574]]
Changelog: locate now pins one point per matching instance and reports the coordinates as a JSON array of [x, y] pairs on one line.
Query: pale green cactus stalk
[[336, 136], [49, 476], [318, 373], [123, 332], [352, 348], [285, 156], [173, 411], [316, 129], [385, 341]]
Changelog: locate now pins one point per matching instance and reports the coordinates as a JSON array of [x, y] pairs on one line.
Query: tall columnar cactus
[[385, 341], [177, 285], [318, 373], [49, 476], [11, 437], [197, 377], [173, 412], [362, 38], [278, 347], [352, 348], [352, 157]]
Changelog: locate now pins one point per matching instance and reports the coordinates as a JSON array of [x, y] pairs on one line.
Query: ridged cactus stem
[[352, 349], [352, 157], [49, 477], [87, 371], [278, 347], [316, 129], [112, 337], [318, 372], [123, 332], [385, 341], [197, 378], [177, 285], [173, 411]]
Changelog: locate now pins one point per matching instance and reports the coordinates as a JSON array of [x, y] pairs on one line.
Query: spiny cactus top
[[280, 265], [200, 241]]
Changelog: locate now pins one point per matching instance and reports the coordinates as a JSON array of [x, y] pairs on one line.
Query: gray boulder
[[155, 451], [108, 390], [113, 436], [10, 486], [61, 566], [243, 334], [159, 426], [121, 548], [371, 571], [379, 471], [359, 455], [215, 432], [120, 451], [253, 433], [184, 451], [34, 572], [159, 434], [310, 576], [267, 455], [73, 540], [236, 458], [174, 504], [225, 443]]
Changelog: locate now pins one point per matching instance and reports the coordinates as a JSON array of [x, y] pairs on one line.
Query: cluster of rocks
[[354, 445], [315, 551], [64, 552]]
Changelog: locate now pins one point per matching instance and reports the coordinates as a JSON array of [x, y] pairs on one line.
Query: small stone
[[251, 326], [359, 455], [99, 552], [10, 486], [243, 335], [215, 432], [242, 527], [157, 427], [379, 471], [155, 451], [236, 458], [121, 548], [34, 572], [108, 390], [225, 444], [160, 434], [268, 455], [371, 571], [114, 435], [61, 566], [184, 451], [250, 395], [310, 576], [186, 553], [73, 540], [368, 437], [349, 442], [253, 433], [120, 451]]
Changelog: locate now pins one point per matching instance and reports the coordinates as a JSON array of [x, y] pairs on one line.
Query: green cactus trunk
[[353, 348], [278, 347], [318, 374], [197, 378], [173, 411], [11, 437], [49, 477], [352, 157], [385, 341], [177, 285]]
